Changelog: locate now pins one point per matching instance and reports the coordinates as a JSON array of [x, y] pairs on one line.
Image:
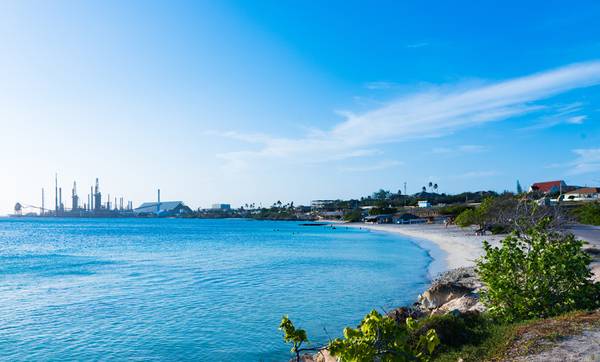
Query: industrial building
[[223, 207], [162, 208], [165, 208]]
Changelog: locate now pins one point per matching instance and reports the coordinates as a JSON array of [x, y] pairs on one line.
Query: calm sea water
[[170, 289]]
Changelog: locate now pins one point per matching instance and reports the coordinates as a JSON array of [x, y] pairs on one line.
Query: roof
[[150, 207], [584, 190], [547, 186]]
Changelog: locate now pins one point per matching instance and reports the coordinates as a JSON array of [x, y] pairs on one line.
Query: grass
[[483, 339]]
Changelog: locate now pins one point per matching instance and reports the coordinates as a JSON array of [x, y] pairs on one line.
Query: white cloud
[[576, 119], [417, 45], [431, 113], [563, 115], [459, 149], [375, 166], [587, 161], [379, 85], [476, 174]]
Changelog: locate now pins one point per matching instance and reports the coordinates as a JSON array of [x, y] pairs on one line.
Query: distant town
[[381, 207]]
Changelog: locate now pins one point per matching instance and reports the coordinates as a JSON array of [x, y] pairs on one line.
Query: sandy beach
[[450, 247], [453, 247]]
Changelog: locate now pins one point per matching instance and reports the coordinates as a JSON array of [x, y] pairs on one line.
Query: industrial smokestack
[[158, 203], [56, 192], [42, 211], [60, 198]]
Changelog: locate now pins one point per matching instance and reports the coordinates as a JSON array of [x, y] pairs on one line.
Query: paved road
[[588, 233]]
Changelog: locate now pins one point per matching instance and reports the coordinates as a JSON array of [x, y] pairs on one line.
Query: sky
[[253, 102]]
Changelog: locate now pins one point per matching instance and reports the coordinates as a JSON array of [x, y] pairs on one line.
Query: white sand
[[459, 247]]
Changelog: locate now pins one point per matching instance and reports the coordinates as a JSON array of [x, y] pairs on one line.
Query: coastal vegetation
[[377, 338], [536, 274], [588, 213], [537, 277]]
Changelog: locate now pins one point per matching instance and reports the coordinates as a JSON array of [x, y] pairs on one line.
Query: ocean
[[190, 289]]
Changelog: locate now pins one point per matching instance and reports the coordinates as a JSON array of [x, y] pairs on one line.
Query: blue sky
[[261, 101]]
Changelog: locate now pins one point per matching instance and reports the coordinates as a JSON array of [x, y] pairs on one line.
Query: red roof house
[[549, 187]]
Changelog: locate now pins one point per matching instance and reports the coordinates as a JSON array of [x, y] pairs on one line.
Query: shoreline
[[449, 248]]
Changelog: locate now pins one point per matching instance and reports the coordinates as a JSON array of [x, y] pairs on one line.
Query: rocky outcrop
[[454, 290]]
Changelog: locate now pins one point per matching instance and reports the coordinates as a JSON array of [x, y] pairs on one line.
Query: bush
[[380, 338], [588, 213], [382, 211], [454, 210], [377, 338], [354, 216], [456, 330], [535, 275], [467, 218]]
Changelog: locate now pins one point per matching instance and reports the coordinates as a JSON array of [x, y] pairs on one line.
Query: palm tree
[[435, 187], [424, 189]]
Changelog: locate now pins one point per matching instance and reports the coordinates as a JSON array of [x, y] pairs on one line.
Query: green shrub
[[535, 275], [467, 218], [456, 330], [454, 210], [588, 213], [380, 338], [292, 335], [377, 338], [499, 229], [382, 210], [354, 216]]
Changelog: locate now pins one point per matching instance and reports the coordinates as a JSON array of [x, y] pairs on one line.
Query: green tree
[[519, 188], [382, 195], [292, 335], [536, 274]]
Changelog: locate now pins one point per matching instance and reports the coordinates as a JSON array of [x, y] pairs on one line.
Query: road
[[589, 233]]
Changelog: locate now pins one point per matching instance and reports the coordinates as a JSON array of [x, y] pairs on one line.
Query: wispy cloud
[[476, 174], [379, 85], [576, 119], [560, 115], [417, 45], [376, 166], [431, 113], [459, 149], [587, 161]]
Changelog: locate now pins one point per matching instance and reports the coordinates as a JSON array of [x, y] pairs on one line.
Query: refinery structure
[[95, 204], [92, 206]]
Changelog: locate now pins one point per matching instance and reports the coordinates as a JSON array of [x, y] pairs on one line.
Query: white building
[[221, 207], [583, 194], [423, 203]]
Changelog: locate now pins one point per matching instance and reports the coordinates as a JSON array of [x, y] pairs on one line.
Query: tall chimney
[[42, 211], [56, 193], [158, 203], [60, 198]]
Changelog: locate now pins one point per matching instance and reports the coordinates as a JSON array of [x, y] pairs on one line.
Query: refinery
[[94, 206]]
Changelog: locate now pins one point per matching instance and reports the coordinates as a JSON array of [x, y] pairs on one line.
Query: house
[[549, 187], [379, 219], [583, 194], [404, 218], [166, 208], [423, 204], [322, 204]]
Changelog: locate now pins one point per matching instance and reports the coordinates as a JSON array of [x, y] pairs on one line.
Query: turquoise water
[[174, 289]]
